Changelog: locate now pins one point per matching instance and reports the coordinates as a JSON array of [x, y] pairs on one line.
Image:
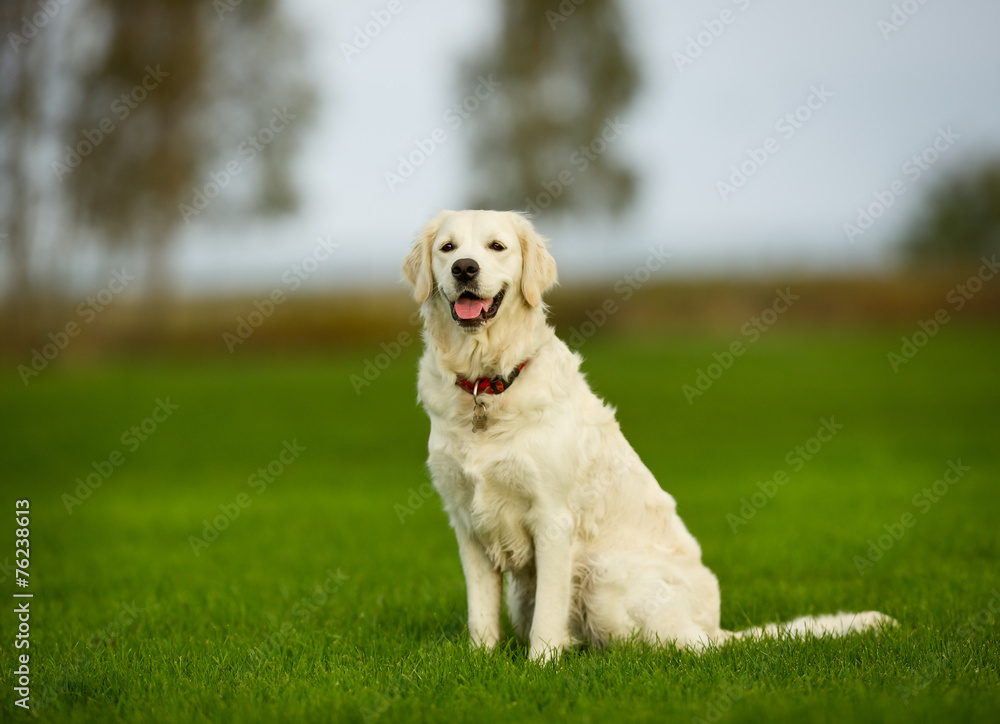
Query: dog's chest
[[492, 498]]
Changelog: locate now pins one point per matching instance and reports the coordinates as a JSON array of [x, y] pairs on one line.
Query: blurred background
[[204, 208], [165, 164]]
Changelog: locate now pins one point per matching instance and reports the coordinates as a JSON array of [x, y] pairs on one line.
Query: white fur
[[551, 494]]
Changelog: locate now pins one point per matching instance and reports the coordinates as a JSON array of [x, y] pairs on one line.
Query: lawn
[[263, 545]]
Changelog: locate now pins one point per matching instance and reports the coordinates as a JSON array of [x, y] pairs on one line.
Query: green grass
[[128, 624]]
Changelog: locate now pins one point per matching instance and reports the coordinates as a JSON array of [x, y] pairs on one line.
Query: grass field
[[188, 587]]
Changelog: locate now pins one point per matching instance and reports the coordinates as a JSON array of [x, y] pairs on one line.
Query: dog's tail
[[831, 624]]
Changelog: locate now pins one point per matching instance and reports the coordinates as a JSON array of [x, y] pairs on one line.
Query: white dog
[[536, 477]]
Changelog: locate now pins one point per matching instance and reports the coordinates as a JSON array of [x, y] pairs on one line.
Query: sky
[[821, 107]]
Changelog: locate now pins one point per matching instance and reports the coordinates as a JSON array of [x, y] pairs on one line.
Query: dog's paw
[[543, 653], [485, 642]]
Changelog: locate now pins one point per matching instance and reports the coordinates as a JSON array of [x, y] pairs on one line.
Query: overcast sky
[[881, 92]]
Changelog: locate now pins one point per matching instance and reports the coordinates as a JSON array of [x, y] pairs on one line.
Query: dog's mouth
[[471, 311]]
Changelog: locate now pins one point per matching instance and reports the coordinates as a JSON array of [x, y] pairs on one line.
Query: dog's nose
[[465, 270]]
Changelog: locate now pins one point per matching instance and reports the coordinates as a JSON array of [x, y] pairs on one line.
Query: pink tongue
[[467, 308]]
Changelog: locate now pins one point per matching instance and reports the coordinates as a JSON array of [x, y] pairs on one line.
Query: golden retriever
[[538, 481]]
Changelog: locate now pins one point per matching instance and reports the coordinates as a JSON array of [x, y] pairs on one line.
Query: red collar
[[489, 385]]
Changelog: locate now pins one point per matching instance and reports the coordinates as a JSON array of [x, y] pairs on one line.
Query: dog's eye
[[448, 246], [497, 246]]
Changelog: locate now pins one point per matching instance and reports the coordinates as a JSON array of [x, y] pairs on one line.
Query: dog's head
[[479, 264]]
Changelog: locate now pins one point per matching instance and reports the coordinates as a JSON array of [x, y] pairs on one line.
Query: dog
[[545, 495]]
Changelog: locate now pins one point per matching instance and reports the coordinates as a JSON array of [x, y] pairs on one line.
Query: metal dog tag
[[478, 411], [479, 417]]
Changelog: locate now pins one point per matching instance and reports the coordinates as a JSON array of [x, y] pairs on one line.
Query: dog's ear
[[538, 271], [417, 264]]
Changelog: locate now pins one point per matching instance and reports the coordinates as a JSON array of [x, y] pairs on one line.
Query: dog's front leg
[[484, 585], [554, 565]]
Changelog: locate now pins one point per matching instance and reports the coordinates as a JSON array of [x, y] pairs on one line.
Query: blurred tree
[[22, 77], [560, 74], [962, 220], [125, 120]]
